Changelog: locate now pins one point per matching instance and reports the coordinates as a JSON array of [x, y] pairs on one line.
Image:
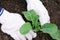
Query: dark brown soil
[[17, 6]]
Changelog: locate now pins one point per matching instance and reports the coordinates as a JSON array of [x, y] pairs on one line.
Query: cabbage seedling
[[35, 25]]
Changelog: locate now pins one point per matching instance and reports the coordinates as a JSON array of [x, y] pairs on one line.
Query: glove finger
[[28, 36], [22, 37], [33, 34], [13, 35]]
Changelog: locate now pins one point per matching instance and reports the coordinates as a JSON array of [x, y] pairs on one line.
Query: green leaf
[[33, 17], [35, 21], [49, 28], [27, 15], [25, 28], [56, 35]]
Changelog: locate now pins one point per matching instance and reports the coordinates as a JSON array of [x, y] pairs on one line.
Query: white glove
[[37, 6], [11, 22]]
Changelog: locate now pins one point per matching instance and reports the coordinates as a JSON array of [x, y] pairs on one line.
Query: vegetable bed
[[17, 6]]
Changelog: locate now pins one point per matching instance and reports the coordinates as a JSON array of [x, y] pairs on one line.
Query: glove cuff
[[1, 10]]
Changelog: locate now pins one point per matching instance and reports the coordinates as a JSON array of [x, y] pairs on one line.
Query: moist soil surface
[[17, 6]]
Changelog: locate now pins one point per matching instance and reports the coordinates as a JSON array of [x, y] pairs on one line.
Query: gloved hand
[[39, 8], [11, 22]]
